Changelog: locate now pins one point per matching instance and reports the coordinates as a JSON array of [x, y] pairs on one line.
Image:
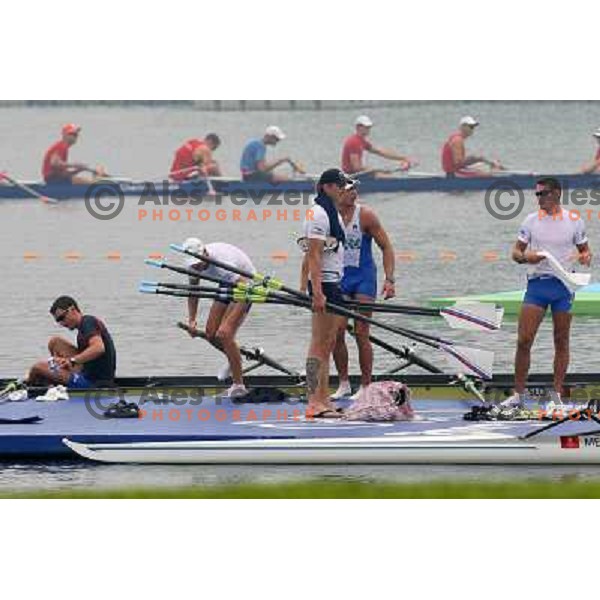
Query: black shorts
[[331, 291], [260, 176]]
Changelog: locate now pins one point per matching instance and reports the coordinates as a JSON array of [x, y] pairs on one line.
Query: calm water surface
[[138, 142]]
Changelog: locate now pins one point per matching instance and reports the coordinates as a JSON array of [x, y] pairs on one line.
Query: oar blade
[[470, 361], [474, 316]]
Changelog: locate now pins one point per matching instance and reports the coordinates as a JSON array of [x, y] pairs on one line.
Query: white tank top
[[354, 237]]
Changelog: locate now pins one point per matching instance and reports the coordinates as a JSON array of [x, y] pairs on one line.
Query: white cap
[[197, 247], [597, 133], [364, 121], [275, 132], [469, 121]]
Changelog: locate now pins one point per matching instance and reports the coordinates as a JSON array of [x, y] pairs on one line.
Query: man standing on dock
[[254, 165], [594, 166], [359, 283], [357, 144], [56, 167], [456, 162], [91, 363], [195, 159], [324, 235], [551, 229]]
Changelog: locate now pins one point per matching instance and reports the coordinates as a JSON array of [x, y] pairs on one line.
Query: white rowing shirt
[[558, 235], [317, 228], [225, 253]]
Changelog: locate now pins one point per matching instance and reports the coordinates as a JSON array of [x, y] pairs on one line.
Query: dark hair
[[63, 303], [550, 182], [214, 138]]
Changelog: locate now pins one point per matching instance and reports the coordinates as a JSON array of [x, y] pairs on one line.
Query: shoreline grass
[[337, 490]]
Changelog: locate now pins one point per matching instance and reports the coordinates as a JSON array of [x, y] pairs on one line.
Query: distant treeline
[[217, 105]]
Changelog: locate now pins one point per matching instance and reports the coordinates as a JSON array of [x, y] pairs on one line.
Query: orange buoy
[[447, 255], [406, 256]]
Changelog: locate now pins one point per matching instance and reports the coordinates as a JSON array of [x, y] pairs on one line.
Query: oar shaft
[[395, 308], [432, 341]]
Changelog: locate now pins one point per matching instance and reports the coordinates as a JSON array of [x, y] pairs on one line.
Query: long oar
[[475, 316], [27, 189], [404, 352], [478, 362]]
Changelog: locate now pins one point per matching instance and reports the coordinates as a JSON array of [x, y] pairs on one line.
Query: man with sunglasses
[[91, 363], [455, 160], [56, 167], [550, 229]]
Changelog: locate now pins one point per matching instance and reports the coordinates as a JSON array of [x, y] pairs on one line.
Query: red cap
[[71, 129]]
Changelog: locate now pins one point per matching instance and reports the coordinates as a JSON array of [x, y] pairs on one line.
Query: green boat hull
[[587, 301]]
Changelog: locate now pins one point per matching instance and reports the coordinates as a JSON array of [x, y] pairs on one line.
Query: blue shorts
[[549, 291], [79, 382], [359, 281]]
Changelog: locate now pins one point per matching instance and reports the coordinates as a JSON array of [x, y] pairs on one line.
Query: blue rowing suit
[[360, 271]]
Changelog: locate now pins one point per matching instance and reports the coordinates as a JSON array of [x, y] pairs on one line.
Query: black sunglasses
[[62, 317], [543, 193]]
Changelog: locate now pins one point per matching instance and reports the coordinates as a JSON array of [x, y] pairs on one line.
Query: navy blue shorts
[[359, 281], [549, 292], [331, 291]]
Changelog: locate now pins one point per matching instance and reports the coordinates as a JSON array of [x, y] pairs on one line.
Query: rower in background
[[56, 167], [225, 317], [254, 165], [357, 144], [456, 162], [195, 159], [550, 229], [359, 283], [594, 166], [324, 235], [91, 363]]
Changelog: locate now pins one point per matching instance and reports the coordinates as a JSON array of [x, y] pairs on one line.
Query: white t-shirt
[[317, 228], [558, 235], [225, 253]]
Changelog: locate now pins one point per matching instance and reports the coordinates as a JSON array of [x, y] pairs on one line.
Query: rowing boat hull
[[586, 303], [304, 187], [405, 451]]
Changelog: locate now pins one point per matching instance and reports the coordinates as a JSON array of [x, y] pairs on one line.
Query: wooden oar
[[478, 362], [27, 189]]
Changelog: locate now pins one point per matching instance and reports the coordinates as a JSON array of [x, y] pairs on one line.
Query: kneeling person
[[91, 363]]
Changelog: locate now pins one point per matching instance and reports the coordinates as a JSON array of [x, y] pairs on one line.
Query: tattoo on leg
[[313, 366]]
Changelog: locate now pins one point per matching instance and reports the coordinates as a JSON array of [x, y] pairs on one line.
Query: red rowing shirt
[[355, 144], [183, 163], [51, 173], [448, 165], [598, 154]]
